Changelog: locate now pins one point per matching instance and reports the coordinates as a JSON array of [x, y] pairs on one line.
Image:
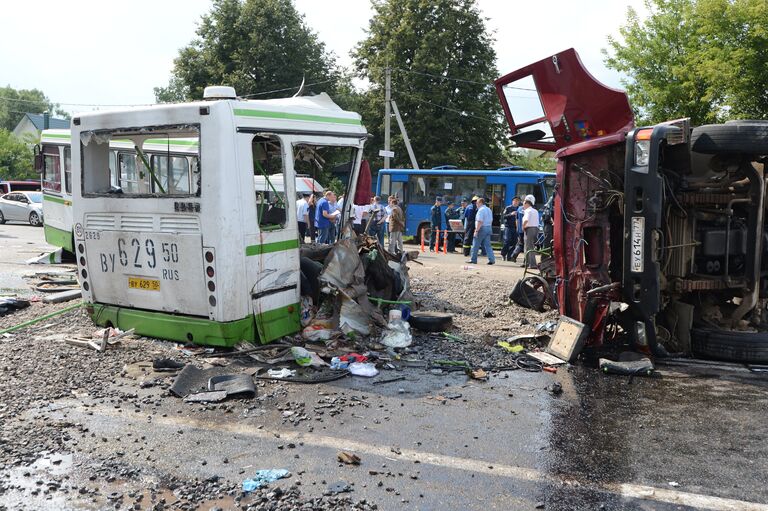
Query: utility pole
[[387, 98], [406, 140]]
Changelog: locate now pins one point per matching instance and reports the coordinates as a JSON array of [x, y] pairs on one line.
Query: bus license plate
[[638, 239], [145, 284]]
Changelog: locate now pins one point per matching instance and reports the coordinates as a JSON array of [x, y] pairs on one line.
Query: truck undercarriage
[[659, 230]]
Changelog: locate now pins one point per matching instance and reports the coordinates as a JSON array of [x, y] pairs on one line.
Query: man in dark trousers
[[469, 225], [509, 218], [451, 213], [436, 222]]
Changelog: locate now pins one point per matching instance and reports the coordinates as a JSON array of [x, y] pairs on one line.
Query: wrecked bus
[[659, 230], [218, 262]]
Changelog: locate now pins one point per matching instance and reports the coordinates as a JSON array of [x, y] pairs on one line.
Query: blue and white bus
[[417, 189]]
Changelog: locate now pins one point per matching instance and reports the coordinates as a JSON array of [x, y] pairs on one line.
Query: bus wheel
[[426, 228], [34, 219]]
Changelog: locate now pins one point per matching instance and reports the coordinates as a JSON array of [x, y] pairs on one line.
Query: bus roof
[[468, 172], [317, 114]]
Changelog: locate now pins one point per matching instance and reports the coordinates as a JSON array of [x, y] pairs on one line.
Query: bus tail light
[[210, 272]]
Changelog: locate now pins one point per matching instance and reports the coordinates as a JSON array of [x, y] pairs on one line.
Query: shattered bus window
[[150, 162], [268, 175]]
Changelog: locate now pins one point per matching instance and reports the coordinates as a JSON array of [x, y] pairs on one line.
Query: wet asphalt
[[503, 444]]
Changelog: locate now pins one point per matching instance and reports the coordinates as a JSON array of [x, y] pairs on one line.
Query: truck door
[[272, 245]]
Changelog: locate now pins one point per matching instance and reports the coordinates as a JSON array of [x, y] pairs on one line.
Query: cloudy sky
[[101, 52]]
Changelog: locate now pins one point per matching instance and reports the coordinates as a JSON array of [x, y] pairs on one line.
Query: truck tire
[[431, 321], [746, 347], [736, 137]]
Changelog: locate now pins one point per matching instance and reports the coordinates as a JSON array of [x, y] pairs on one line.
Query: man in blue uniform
[[509, 218], [469, 225], [451, 213], [436, 222]]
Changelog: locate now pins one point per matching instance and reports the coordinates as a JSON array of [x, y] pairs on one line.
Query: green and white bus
[[214, 263]]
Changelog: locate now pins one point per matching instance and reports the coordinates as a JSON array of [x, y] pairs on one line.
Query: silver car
[[23, 207]]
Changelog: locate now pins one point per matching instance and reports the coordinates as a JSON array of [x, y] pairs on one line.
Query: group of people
[[319, 219], [521, 222]]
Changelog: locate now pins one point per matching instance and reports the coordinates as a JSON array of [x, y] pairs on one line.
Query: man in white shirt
[[531, 230], [302, 215], [483, 230]]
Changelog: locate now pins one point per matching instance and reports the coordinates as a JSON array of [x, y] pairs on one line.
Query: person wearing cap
[[509, 217], [483, 230], [469, 225], [531, 229], [520, 233], [436, 223], [302, 215], [451, 213]]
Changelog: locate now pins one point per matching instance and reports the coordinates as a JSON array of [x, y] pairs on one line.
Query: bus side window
[[129, 177], [114, 181], [68, 169], [534, 189], [269, 173], [51, 169]]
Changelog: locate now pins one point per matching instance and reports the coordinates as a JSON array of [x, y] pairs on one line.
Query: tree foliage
[[703, 59], [14, 103], [16, 159], [542, 161], [253, 46], [443, 65]]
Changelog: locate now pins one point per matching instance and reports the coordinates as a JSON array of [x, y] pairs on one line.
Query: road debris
[[264, 477], [348, 458]]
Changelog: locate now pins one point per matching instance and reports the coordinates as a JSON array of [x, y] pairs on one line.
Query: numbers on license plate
[[638, 240], [145, 284]]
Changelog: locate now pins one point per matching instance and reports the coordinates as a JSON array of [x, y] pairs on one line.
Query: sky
[[101, 52]]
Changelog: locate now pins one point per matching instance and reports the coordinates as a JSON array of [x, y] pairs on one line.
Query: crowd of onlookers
[[470, 222]]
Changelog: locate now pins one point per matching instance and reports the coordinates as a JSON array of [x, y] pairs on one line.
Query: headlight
[[642, 149]]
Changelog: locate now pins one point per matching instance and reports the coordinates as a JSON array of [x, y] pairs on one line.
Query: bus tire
[[736, 137], [427, 230], [34, 219]]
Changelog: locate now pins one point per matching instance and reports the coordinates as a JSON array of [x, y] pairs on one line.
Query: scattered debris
[[338, 487], [428, 321], [206, 397], [166, 365], [63, 296], [568, 339], [478, 374], [264, 477], [235, 385], [9, 304], [629, 364], [512, 348], [555, 389], [348, 457], [546, 358], [366, 369], [281, 373]]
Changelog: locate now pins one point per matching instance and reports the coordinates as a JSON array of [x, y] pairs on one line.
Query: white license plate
[[638, 240]]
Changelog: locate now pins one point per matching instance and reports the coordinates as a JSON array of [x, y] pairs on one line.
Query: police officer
[[509, 217], [436, 222], [469, 225]]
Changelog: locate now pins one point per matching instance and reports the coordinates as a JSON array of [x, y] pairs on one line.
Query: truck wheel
[[746, 347], [737, 137]]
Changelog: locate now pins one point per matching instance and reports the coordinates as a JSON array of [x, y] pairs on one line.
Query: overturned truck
[[659, 230]]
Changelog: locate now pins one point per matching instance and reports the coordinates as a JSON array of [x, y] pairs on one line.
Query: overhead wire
[[461, 112]]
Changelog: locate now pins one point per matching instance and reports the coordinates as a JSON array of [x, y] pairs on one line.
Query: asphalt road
[[18, 243], [689, 438]]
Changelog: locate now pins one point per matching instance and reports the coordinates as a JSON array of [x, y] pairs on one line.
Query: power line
[[462, 80], [461, 112], [287, 88]]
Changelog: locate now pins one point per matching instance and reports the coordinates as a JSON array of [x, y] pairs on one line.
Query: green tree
[[253, 46], [542, 161], [703, 59], [14, 103], [15, 157], [443, 67]]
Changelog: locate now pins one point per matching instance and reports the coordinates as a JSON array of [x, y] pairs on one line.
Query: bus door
[[496, 193], [271, 235]]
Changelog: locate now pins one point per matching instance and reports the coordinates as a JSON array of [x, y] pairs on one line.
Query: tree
[[253, 46], [15, 157], [15, 103], [542, 161], [443, 67], [703, 59]]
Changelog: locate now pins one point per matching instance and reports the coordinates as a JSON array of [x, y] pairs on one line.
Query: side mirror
[[38, 159]]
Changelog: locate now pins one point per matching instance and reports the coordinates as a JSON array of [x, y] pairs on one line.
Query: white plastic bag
[[397, 334]]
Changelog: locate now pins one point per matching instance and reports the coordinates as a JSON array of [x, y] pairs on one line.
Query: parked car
[[22, 207]]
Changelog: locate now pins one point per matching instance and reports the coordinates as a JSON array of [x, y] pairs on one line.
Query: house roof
[[53, 122]]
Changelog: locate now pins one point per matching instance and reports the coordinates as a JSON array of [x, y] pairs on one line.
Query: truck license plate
[[145, 284], [638, 239]]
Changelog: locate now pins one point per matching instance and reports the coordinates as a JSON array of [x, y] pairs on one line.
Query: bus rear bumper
[[59, 238], [175, 328]]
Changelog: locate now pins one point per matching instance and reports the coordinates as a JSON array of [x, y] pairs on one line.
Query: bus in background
[[417, 190], [174, 163]]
